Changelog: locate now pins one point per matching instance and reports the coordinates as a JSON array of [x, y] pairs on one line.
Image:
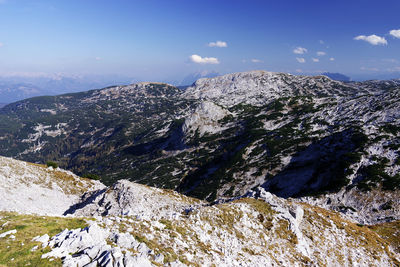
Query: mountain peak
[[258, 87]]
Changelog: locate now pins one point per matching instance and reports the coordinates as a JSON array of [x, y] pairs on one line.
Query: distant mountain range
[[362, 77], [14, 88], [191, 78], [337, 76]]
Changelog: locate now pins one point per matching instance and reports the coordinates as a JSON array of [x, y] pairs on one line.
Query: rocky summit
[[245, 169]]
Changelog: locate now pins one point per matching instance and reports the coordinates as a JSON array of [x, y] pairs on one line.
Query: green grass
[[17, 252]]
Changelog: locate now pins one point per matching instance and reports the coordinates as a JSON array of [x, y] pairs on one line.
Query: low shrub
[[91, 176], [52, 164]]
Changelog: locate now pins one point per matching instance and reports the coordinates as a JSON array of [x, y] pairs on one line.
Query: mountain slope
[[31, 188], [82, 130], [222, 137], [145, 226]]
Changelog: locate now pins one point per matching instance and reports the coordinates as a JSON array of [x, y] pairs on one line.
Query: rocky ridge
[[260, 87], [146, 226], [125, 198]]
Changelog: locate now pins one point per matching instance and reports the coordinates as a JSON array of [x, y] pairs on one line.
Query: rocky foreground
[[128, 224]]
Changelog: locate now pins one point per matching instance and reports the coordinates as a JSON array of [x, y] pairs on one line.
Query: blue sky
[[168, 39]]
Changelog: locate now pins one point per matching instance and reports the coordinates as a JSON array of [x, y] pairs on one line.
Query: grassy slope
[[17, 252]]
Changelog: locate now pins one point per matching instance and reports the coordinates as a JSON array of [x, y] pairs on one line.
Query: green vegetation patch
[[375, 174], [91, 176], [390, 128], [52, 164], [17, 252]]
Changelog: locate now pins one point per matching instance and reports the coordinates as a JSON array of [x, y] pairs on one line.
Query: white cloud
[[1, 44], [321, 53], [395, 33], [321, 42], [254, 60], [203, 60], [315, 59], [332, 59], [300, 50], [372, 39], [300, 60], [218, 44], [97, 58]]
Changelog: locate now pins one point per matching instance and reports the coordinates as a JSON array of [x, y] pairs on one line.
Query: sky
[[168, 39]]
